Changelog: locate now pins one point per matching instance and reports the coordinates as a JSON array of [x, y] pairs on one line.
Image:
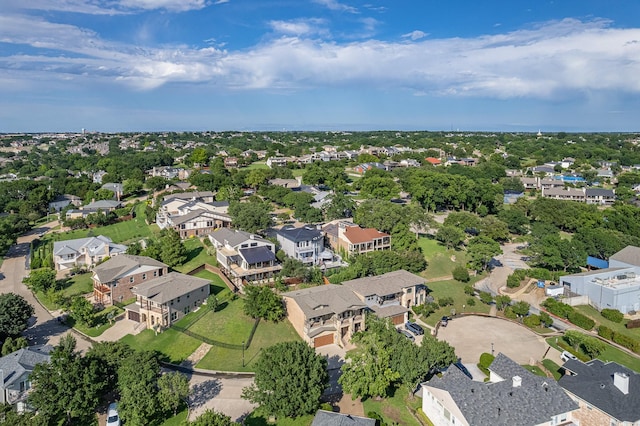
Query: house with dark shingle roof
[[113, 279], [513, 396], [305, 243], [244, 257], [329, 418], [15, 369], [390, 295], [164, 300], [325, 315], [607, 393]]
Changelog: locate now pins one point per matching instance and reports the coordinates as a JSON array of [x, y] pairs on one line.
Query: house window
[[409, 290], [155, 273], [178, 300], [174, 315], [144, 276], [130, 279], [182, 226], [254, 244]]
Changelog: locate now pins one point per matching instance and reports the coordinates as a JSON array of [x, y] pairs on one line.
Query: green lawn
[[600, 320], [553, 368], [101, 319], [256, 165], [439, 258], [394, 409], [610, 354], [535, 370], [230, 325], [177, 420], [454, 289], [257, 418], [196, 255], [123, 232], [218, 287], [77, 284], [174, 346]]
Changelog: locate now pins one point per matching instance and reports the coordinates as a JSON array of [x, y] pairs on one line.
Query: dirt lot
[[471, 336]]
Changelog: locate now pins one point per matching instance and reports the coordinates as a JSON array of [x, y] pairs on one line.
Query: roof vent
[[601, 385], [517, 381], [621, 381]]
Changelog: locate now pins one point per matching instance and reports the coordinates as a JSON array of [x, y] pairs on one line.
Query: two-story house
[[164, 300], [305, 244], [512, 396], [84, 252], [15, 369], [348, 238], [113, 279], [325, 315], [244, 257], [192, 218], [390, 295]]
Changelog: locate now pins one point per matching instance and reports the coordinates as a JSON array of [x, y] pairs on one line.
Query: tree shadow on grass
[[193, 253]]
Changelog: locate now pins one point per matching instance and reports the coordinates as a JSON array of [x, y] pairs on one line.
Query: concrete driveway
[[473, 335], [223, 395]]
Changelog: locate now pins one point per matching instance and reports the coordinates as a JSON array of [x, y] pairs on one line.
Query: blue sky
[[153, 65]]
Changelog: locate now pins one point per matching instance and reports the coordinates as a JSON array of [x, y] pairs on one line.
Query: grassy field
[[394, 408], [196, 255], [77, 284], [439, 258], [122, 232], [257, 418], [553, 368], [230, 325], [177, 420], [600, 320], [610, 354], [455, 290], [218, 287], [256, 165]]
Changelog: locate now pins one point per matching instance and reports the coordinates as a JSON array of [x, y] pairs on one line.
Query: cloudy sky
[[134, 65]]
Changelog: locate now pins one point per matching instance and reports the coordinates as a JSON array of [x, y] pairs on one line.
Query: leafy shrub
[[612, 315], [605, 332], [471, 301], [557, 308], [508, 313], [581, 321], [633, 324], [486, 297], [531, 321], [545, 319], [502, 301], [626, 341], [426, 309], [445, 301], [513, 281], [460, 273]]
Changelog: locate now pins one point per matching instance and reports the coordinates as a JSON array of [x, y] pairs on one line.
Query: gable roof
[[116, 267], [599, 192], [629, 255], [329, 418], [92, 244], [593, 383], [535, 401], [355, 234], [303, 233], [14, 365], [325, 299], [102, 204], [391, 282], [169, 287], [233, 237]]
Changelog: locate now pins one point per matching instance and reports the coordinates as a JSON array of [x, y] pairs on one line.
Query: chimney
[[517, 381], [621, 381]]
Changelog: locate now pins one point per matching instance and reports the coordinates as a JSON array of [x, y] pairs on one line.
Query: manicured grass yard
[[454, 289], [196, 255], [102, 320], [218, 287], [230, 325], [78, 284], [258, 419], [439, 258], [177, 420], [600, 320], [553, 368], [610, 354], [394, 408]]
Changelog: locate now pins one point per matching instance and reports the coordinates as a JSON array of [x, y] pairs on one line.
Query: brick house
[[346, 237], [113, 279]]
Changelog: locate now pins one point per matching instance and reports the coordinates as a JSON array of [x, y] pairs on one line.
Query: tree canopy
[[15, 312]]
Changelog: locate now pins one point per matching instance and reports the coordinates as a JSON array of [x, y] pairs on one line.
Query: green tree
[[481, 250], [573, 338], [131, 186], [289, 380], [593, 347], [502, 301], [173, 251], [460, 273], [10, 345], [262, 302], [40, 279], [173, 390], [110, 356], [82, 310], [545, 319], [251, 216], [521, 308], [450, 236], [212, 418], [15, 312], [138, 388]]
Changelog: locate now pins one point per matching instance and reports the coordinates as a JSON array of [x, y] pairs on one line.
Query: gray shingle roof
[[325, 299], [629, 255], [102, 204], [303, 233], [92, 244], [169, 287], [593, 383], [329, 418], [233, 237], [115, 267], [14, 365], [599, 192], [389, 283], [535, 401]]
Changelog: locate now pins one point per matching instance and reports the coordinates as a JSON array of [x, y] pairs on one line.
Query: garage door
[[398, 319], [323, 341], [134, 316]]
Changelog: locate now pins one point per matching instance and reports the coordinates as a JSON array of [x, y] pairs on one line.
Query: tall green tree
[[173, 390], [481, 250], [40, 279], [289, 381], [173, 251], [251, 216], [15, 312], [138, 387], [212, 418], [262, 302]]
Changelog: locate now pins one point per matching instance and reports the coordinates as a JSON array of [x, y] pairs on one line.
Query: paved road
[[44, 328], [503, 266], [223, 395]]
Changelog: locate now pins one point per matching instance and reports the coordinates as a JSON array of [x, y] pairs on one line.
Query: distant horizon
[[144, 65]]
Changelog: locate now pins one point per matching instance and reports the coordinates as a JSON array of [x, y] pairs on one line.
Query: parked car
[[566, 356], [414, 328], [444, 321], [113, 419], [406, 334]]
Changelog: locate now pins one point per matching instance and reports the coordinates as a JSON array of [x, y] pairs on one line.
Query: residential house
[[607, 393], [513, 396], [231, 162], [292, 184], [203, 196], [544, 170], [192, 218], [164, 300], [113, 279], [305, 244], [276, 162], [566, 194], [245, 257], [433, 161], [15, 370], [615, 287], [351, 239], [599, 196], [329, 418], [62, 201], [364, 167], [390, 295], [530, 182], [116, 188], [84, 252], [100, 206], [409, 162], [325, 315]]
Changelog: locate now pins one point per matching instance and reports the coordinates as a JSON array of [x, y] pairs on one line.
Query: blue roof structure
[[597, 263]]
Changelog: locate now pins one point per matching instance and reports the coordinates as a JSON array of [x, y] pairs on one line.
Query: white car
[[566, 356], [113, 419]]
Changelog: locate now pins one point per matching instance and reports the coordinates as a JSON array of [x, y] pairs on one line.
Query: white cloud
[[554, 59], [174, 5], [105, 7], [415, 35], [299, 27], [336, 5]]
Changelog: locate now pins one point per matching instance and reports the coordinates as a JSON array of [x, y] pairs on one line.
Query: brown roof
[[356, 235], [433, 160]]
